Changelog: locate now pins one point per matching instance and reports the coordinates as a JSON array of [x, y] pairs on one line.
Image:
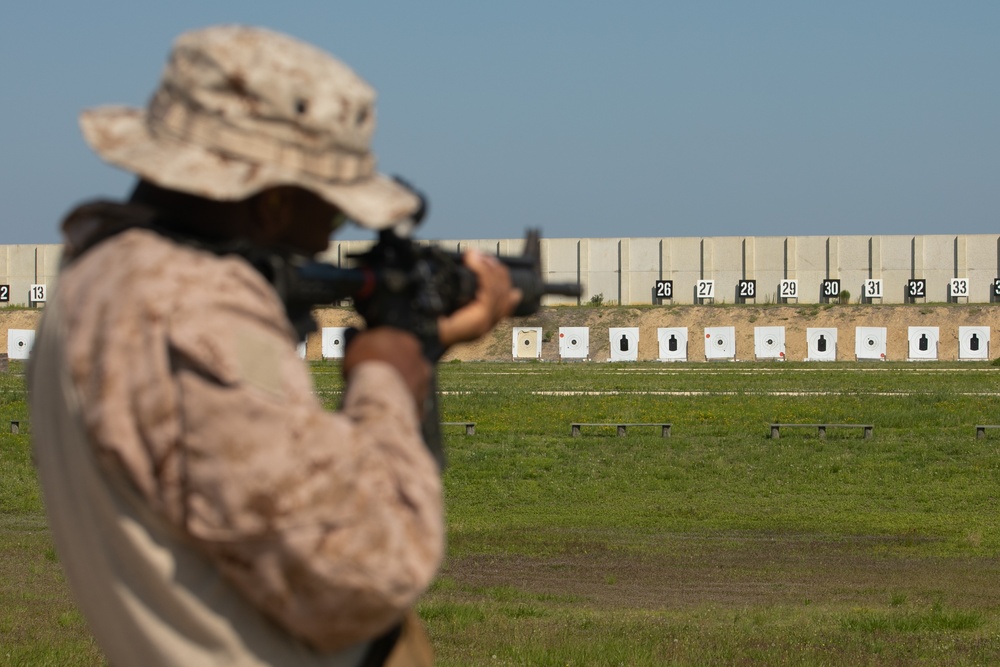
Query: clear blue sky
[[584, 118]]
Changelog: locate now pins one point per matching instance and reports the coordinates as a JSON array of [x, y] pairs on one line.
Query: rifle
[[407, 285]]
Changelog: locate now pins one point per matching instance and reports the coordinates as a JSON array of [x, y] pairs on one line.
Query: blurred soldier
[[206, 509]]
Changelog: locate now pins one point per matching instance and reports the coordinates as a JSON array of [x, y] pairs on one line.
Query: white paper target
[[301, 350], [333, 342], [923, 342], [973, 342], [720, 342], [673, 343], [869, 343], [624, 343], [574, 342], [769, 342], [527, 343], [822, 344], [19, 343]]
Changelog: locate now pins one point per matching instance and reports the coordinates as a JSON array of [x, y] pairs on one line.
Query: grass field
[[716, 546]]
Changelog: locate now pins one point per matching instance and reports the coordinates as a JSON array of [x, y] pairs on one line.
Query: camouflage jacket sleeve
[[330, 523]]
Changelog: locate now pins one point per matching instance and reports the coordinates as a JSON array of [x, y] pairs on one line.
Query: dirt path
[[795, 319], [737, 570]]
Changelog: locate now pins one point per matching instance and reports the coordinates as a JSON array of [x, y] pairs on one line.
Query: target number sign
[[747, 289], [788, 289], [4, 292], [996, 287], [37, 293], [830, 289], [706, 289], [873, 288], [916, 288], [664, 289], [959, 287]]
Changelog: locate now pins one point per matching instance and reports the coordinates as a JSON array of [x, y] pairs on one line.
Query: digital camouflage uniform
[[205, 506]]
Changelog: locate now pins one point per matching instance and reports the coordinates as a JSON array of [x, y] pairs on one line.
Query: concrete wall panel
[[561, 264], [624, 270], [765, 257], [682, 264], [602, 269], [808, 265], [724, 264], [896, 266], [939, 264], [641, 266], [853, 263], [981, 258], [22, 272]]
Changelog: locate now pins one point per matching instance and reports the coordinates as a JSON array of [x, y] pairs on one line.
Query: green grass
[[774, 532], [715, 546], [39, 622]]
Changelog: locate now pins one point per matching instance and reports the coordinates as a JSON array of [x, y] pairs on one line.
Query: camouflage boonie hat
[[241, 109]]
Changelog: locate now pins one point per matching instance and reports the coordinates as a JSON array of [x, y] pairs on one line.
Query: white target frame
[[973, 343], [923, 343], [526, 343], [574, 342], [333, 342], [720, 343], [870, 343], [673, 342], [821, 344], [624, 342], [300, 350], [19, 343], [769, 343]]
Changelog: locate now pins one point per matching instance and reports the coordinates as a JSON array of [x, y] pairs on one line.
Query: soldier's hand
[[495, 299], [396, 347]]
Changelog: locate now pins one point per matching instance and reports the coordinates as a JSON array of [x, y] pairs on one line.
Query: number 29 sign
[[788, 289]]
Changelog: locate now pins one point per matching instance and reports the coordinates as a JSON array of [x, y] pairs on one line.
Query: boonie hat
[[241, 109]]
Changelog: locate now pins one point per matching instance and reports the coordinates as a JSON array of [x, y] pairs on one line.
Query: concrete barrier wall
[[22, 266], [625, 270]]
